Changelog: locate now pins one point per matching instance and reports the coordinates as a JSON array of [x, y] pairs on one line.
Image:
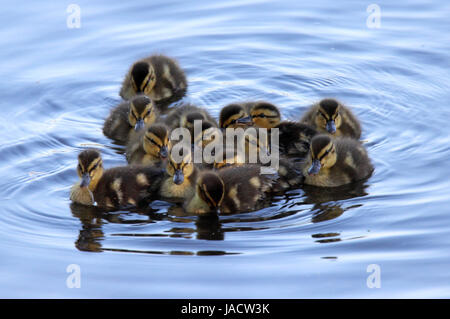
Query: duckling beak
[[331, 127], [315, 167], [85, 180], [178, 177], [139, 125], [164, 152], [244, 120]]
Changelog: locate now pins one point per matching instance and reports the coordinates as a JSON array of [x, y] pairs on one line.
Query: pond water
[[59, 83]]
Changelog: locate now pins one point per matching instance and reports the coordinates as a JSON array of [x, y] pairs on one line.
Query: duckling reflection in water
[[116, 187], [336, 162], [332, 117], [158, 76], [130, 116]]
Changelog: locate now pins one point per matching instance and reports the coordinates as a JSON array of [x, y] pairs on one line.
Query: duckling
[[186, 115], [336, 162], [157, 76], [294, 138], [116, 187], [129, 117], [150, 146], [234, 116], [179, 182], [332, 117], [231, 190], [206, 142], [263, 114]]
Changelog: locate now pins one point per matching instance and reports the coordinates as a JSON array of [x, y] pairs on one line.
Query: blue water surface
[[59, 83]]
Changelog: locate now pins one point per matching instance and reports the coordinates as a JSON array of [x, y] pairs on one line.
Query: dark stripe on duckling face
[[265, 115], [233, 115], [139, 74], [143, 77], [321, 146], [211, 189], [329, 110], [88, 162], [141, 112], [180, 170], [156, 141]]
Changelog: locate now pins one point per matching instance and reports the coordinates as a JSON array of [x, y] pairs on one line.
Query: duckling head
[[322, 154], [143, 77], [328, 117], [180, 170], [211, 189], [265, 115], [142, 111], [90, 168], [187, 120], [156, 141], [233, 116]]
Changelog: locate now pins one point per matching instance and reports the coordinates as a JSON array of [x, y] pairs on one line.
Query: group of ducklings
[[321, 149]]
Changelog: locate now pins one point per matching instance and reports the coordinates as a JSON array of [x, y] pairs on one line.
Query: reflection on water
[[209, 226]]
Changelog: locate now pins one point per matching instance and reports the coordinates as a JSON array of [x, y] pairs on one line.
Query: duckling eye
[[94, 167], [152, 141]]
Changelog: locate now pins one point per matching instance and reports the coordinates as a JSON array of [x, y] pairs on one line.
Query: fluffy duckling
[[288, 173], [231, 190], [336, 162], [116, 187], [150, 146], [186, 115], [330, 116], [234, 116], [179, 182], [294, 138], [128, 117], [263, 114], [157, 76]]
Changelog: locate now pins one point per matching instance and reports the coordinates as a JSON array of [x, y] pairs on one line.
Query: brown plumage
[[185, 116], [116, 187], [335, 162], [179, 180], [150, 146], [263, 114], [129, 117], [158, 76], [332, 117], [233, 116], [231, 190], [294, 138]]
